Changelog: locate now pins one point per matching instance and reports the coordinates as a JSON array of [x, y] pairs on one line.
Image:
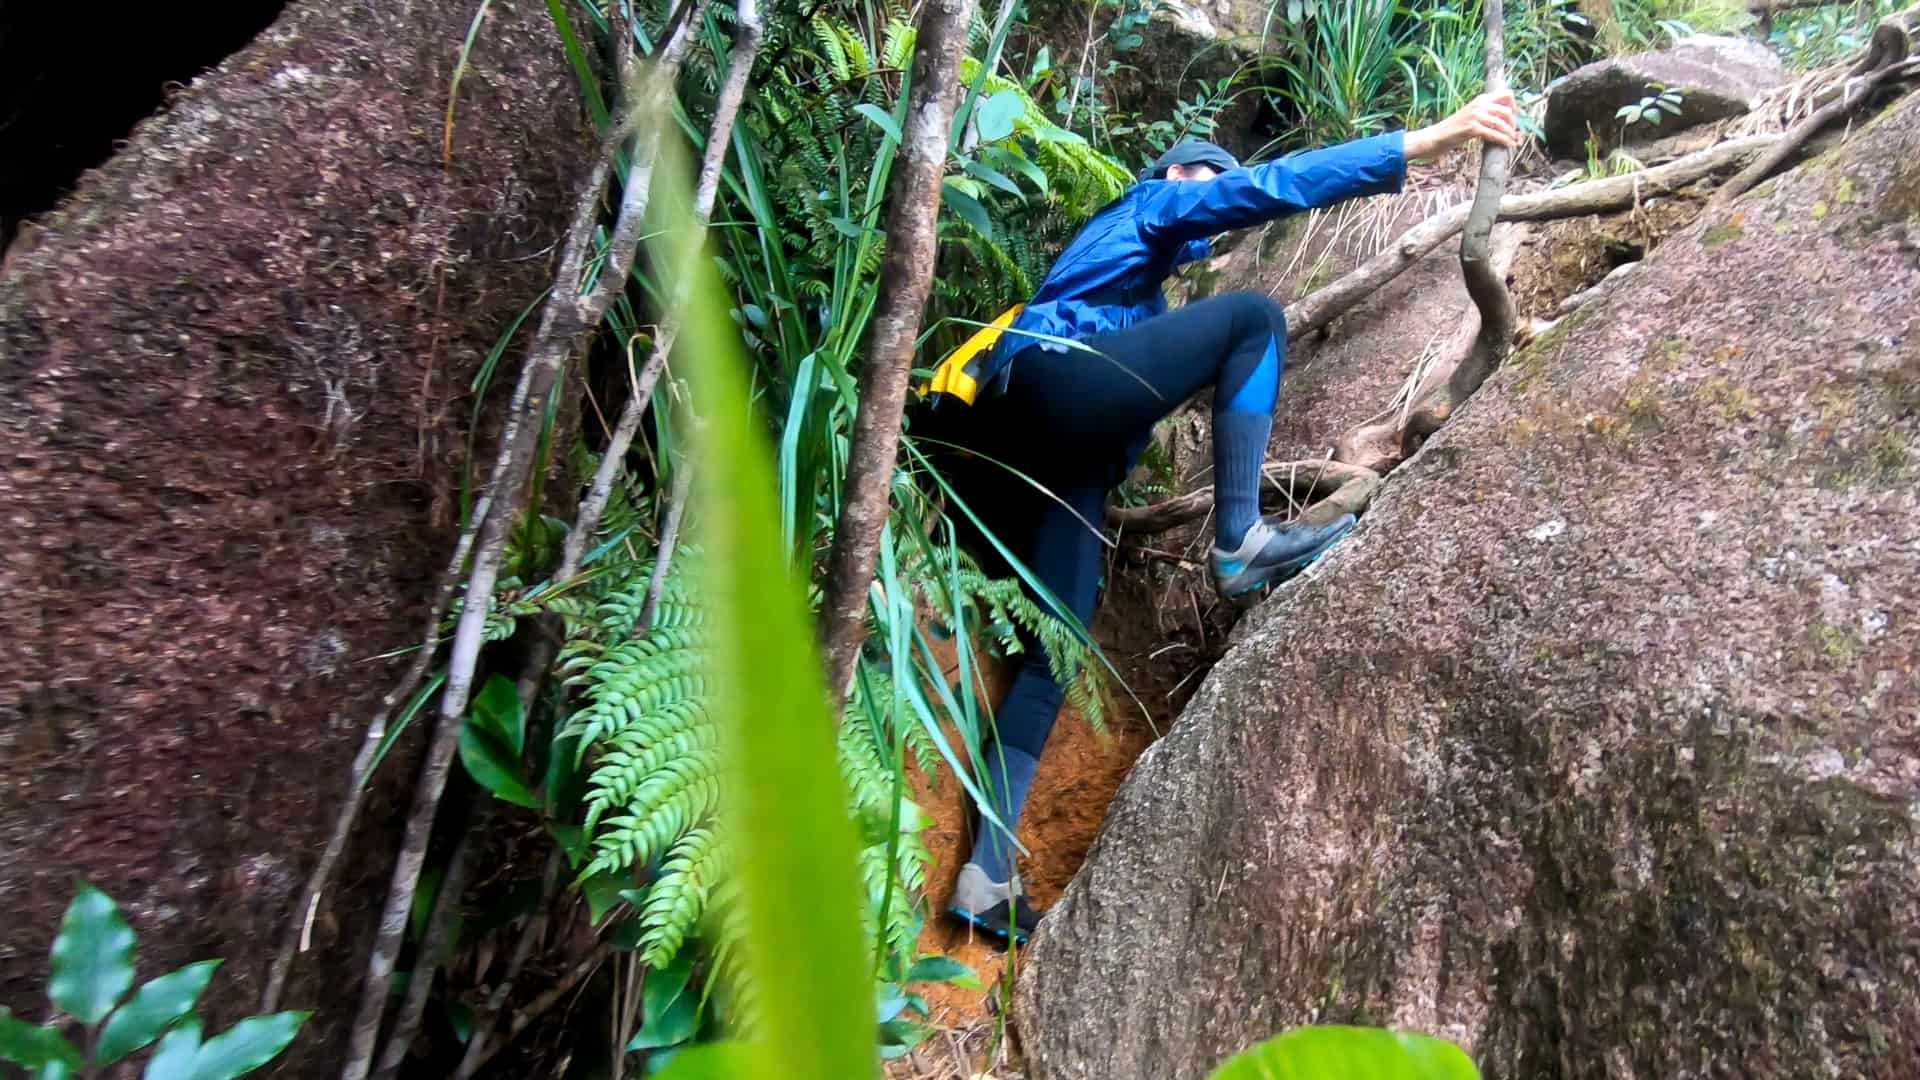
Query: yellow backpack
[[959, 374]]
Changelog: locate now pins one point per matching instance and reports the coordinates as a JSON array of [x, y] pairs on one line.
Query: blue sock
[[1240, 432], [1009, 774]]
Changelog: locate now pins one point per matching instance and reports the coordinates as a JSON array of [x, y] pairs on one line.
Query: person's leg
[[1235, 343], [1064, 553]]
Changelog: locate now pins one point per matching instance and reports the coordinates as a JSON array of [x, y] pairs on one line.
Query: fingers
[[1495, 118]]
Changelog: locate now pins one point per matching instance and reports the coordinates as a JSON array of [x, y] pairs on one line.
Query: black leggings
[[1074, 423]]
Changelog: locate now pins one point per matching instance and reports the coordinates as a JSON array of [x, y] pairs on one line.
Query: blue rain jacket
[[1109, 277]]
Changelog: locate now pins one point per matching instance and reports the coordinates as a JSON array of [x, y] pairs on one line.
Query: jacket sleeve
[[1193, 251], [1175, 212]]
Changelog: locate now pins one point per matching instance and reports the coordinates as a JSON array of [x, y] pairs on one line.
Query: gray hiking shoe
[[997, 907], [1271, 553]]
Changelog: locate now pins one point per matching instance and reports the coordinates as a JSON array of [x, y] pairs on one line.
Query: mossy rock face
[[1596, 747], [233, 379]]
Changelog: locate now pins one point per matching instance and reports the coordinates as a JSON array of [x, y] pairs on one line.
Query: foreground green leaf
[[1313, 1053], [246, 1046], [32, 1046], [174, 1059], [715, 1061], [787, 807], [943, 969], [152, 1010], [493, 766], [497, 710], [92, 957]]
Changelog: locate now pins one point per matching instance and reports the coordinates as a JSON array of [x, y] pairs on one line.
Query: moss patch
[[1724, 233]]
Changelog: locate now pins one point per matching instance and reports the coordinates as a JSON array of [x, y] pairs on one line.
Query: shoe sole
[[973, 920], [1292, 568]]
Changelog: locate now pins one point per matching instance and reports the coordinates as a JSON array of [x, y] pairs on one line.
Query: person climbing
[[1072, 421]]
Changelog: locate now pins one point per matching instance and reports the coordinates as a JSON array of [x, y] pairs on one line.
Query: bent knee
[[1258, 313]]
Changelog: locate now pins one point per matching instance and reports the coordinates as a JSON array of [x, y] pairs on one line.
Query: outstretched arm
[[1177, 212]]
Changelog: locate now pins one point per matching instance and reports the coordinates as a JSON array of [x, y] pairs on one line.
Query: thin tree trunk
[[746, 46], [906, 278], [566, 316]]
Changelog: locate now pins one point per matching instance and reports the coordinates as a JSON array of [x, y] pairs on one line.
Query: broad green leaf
[[993, 176], [881, 119], [943, 969], [714, 1061], [967, 207], [668, 983], [152, 1010], [892, 1002], [1005, 159], [493, 766], [670, 1026], [1311, 1053], [995, 117], [496, 708], [32, 1046], [56, 1070], [246, 1045], [785, 805], [92, 957], [174, 1058]]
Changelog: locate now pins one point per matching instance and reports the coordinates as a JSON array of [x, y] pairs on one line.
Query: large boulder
[[1597, 747], [1716, 76], [233, 382]]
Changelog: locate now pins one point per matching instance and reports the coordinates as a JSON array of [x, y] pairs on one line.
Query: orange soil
[[1080, 771]]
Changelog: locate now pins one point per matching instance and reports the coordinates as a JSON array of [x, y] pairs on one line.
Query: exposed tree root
[[1854, 91], [1440, 385], [1382, 442], [1341, 488], [1486, 282]]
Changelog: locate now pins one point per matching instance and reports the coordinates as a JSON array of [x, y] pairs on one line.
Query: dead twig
[[489, 1014], [1854, 91], [552, 996]]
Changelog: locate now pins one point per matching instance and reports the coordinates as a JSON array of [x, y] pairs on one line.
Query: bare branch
[[1854, 91], [719, 136]]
